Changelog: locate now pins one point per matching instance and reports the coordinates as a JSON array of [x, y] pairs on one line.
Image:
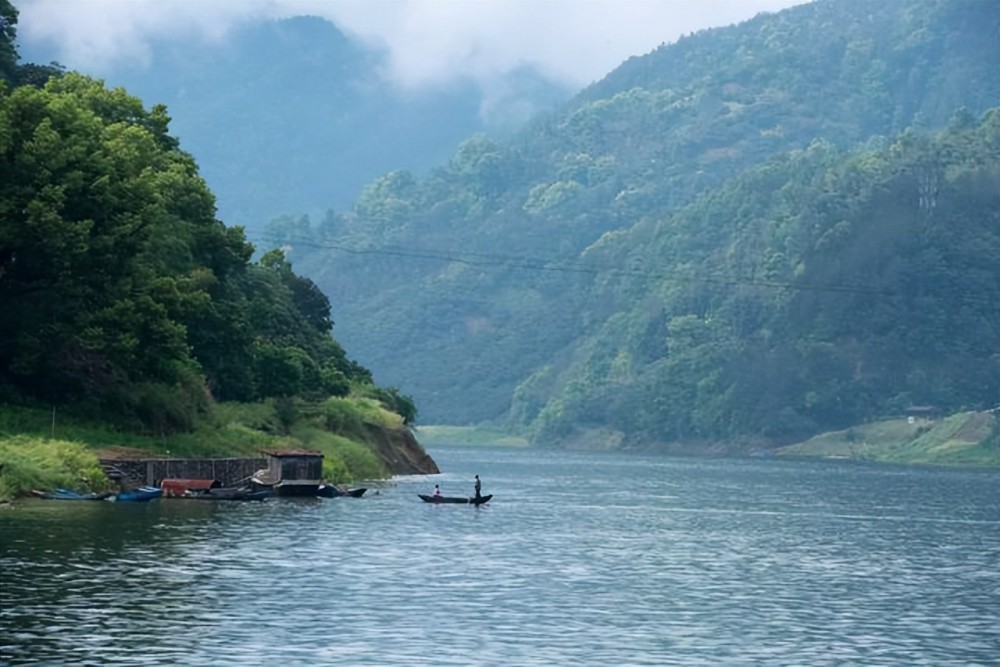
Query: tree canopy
[[482, 284], [820, 290], [119, 286]]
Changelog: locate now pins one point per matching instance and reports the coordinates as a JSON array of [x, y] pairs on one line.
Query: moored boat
[[228, 493], [70, 494], [175, 487], [455, 499], [142, 494], [331, 491]]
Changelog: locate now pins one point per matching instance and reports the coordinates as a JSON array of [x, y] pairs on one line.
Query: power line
[[471, 258]]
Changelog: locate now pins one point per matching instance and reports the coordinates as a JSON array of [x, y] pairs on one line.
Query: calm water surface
[[581, 559]]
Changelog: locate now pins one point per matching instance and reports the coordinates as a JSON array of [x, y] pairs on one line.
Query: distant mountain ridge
[[478, 286], [293, 117]]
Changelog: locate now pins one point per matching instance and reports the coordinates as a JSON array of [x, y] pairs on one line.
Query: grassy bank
[[42, 463], [451, 436], [967, 438], [40, 449]]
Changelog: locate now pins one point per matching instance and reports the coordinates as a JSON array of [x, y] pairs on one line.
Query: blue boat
[[70, 494], [142, 494]]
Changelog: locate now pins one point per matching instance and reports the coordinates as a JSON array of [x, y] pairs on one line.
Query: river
[[580, 559]]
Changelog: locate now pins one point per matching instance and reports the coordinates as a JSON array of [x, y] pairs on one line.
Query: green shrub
[[360, 461], [373, 411], [30, 463], [335, 470], [340, 415], [391, 401], [334, 382], [287, 412]]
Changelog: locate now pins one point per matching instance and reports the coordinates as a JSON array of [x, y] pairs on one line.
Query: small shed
[[292, 472], [923, 412]]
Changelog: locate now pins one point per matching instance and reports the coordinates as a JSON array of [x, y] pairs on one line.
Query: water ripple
[[582, 559]]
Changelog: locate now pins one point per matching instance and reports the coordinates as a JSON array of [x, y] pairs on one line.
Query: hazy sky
[[427, 42]]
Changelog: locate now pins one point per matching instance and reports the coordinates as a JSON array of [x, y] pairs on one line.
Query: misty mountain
[[480, 286], [293, 116]]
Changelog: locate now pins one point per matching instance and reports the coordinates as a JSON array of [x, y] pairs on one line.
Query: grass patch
[[337, 427], [446, 436], [963, 439], [860, 442], [373, 412], [37, 463], [967, 438], [209, 437], [344, 460]]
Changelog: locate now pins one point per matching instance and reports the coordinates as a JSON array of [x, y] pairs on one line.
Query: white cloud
[[101, 34], [427, 42]]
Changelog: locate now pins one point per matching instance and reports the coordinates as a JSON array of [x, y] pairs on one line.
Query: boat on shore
[[227, 493], [175, 487], [141, 494], [331, 491], [458, 500], [70, 494]]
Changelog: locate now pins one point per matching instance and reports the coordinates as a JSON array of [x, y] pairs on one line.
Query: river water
[[580, 559]]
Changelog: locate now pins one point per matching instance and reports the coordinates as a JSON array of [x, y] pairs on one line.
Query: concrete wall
[[229, 472]]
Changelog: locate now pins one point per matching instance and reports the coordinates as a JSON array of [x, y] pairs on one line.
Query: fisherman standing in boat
[[479, 488]]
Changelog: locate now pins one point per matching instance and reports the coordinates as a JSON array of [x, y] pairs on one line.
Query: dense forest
[[815, 292], [123, 295], [756, 232], [754, 235]]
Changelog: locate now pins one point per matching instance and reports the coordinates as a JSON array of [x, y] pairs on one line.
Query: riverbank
[[962, 439], [359, 440], [966, 439], [441, 435]]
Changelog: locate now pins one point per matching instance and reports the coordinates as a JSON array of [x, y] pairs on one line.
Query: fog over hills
[[537, 281], [645, 259], [292, 107], [293, 117]]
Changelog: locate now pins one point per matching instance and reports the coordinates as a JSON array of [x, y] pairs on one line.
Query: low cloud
[[426, 43]]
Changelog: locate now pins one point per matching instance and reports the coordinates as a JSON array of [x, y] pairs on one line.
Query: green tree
[[8, 37]]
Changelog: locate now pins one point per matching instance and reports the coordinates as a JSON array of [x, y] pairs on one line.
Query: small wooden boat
[[455, 499], [70, 494], [330, 491], [142, 494], [176, 487], [228, 493]]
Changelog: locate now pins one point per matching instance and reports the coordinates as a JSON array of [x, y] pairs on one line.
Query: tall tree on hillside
[[8, 35], [105, 234], [119, 285]]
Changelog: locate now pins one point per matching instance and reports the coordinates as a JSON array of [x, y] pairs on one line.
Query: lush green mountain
[[293, 116], [486, 286], [122, 292], [815, 292]]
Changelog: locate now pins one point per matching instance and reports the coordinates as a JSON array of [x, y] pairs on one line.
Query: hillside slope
[[479, 279], [970, 438], [815, 292]]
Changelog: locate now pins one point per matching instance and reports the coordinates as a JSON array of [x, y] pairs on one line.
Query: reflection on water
[[581, 559]]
